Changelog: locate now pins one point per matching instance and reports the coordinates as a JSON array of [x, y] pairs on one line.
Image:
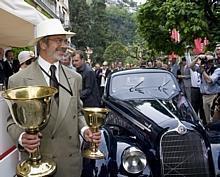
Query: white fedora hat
[[24, 56], [50, 27]]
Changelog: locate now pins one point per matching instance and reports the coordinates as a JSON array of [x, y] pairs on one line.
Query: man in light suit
[[60, 139]]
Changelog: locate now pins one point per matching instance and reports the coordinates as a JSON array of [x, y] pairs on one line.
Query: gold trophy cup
[[95, 119], [30, 107]]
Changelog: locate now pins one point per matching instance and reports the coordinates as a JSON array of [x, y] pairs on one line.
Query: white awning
[[17, 21]]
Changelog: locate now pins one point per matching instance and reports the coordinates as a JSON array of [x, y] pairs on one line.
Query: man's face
[[173, 61], [66, 59], [10, 56], [97, 66], [77, 61], [54, 47], [120, 64], [218, 52]]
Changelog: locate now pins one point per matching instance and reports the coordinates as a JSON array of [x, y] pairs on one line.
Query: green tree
[[80, 20], [97, 26], [157, 18], [212, 11], [121, 25], [115, 51], [139, 51], [97, 29]]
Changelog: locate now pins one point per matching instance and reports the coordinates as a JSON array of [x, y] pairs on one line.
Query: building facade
[[53, 9]]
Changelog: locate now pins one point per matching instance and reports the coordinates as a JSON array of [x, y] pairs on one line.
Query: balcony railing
[[48, 5]]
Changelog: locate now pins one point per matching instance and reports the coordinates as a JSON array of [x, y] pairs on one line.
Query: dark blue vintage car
[[151, 130]]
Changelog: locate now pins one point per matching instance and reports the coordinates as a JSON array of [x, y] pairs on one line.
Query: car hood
[[160, 113]]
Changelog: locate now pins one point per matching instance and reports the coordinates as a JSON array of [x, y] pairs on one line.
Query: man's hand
[[31, 142], [92, 137]]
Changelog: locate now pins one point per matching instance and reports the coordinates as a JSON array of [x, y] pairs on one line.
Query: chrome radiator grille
[[183, 155]]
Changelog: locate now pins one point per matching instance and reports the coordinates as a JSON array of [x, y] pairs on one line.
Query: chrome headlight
[[133, 160]]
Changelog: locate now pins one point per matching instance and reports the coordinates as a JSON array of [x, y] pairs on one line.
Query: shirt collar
[[46, 65]]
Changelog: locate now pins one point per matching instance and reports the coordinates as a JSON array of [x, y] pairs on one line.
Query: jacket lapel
[[64, 98]]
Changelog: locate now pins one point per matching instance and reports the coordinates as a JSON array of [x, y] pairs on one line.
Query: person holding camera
[[217, 53], [205, 67], [214, 83]]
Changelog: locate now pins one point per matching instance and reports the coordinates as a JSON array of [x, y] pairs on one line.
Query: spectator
[[174, 66], [119, 67], [67, 61], [143, 64], [102, 75], [185, 79], [2, 74], [97, 67], [205, 68], [112, 67], [150, 64], [25, 58], [11, 65], [90, 93], [196, 95], [128, 66], [158, 63], [217, 53]]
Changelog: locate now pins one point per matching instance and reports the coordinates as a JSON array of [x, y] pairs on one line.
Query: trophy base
[[93, 155], [40, 169]]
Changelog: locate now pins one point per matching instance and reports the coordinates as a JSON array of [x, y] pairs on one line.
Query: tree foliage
[[98, 26], [121, 25], [98, 29], [80, 20], [156, 19], [115, 51], [89, 22], [212, 12]]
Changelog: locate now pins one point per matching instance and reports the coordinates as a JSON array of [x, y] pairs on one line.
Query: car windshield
[[143, 85]]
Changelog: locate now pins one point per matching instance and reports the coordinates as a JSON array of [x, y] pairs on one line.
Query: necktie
[[54, 82], [11, 64]]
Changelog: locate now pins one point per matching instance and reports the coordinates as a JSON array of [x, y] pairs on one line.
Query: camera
[[204, 59]]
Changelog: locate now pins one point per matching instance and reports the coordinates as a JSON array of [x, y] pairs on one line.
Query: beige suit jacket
[[61, 136]]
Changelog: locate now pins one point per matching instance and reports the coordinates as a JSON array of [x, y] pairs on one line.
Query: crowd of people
[[192, 82], [199, 80]]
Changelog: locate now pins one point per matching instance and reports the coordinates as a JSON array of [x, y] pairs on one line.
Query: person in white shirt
[[102, 75]]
